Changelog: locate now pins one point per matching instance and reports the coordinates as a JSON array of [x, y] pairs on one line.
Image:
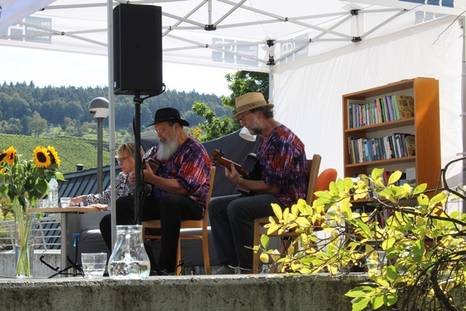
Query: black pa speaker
[[137, 46]]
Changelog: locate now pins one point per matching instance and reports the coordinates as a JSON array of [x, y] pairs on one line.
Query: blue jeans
[[232, 222], [171, 209]]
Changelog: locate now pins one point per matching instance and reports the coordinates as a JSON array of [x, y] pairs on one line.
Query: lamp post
[[98, 107]]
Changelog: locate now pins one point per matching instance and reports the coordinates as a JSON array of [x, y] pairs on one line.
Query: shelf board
[[382, 162], [388, 88], [381, 126]]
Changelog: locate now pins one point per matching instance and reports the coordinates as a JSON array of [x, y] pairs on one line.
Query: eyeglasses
[[121, 159], [241, 116]]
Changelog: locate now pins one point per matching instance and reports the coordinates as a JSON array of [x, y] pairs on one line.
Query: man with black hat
[[284, 176], [179, 174]]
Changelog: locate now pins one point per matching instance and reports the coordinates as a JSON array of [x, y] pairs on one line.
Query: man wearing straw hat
[[284, 177]]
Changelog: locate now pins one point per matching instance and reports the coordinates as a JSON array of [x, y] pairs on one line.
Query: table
[[64, 211]]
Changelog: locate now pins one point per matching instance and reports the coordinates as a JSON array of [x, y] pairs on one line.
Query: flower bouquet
[[22, 183]]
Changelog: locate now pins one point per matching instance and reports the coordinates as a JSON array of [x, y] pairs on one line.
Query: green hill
[[71, 150]]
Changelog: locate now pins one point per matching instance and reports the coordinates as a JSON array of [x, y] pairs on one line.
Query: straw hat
[[250, 101]]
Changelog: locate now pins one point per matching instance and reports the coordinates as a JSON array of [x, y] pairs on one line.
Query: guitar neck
[[227, 163]]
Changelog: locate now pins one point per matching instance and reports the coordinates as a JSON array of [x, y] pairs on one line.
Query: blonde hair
[[128, 148]]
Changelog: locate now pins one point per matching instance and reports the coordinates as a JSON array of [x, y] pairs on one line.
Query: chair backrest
[[325, 178], [314, 166], [213, 170]]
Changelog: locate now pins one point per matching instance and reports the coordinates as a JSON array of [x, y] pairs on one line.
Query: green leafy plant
[[22, 183], [213, 126], [413, 250], [239, 83]]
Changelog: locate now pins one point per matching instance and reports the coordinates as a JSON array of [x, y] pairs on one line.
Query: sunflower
[[10, 155], [53, 155], [41, 157], [2, 157]]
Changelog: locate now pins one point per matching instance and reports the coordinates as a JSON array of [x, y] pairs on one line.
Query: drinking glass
[[65, 201], [93, 264]]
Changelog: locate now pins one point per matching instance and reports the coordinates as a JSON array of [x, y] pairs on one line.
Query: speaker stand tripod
[[137, 156]]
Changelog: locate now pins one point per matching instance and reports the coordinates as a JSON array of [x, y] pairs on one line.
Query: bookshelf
[[395, 127]]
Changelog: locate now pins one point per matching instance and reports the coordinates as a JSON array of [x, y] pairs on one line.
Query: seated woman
[[125, 156]]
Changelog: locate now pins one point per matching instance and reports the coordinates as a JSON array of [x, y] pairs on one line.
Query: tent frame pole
[[111, 120], [463, 101], [234, 8], [185, 17]]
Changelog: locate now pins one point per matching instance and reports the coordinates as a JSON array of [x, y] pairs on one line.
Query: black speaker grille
[[137, 42]]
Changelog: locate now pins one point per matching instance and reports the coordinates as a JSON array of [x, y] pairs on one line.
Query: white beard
[[166, 149]]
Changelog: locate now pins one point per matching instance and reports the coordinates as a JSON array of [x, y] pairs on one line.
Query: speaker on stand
[[137, 46]]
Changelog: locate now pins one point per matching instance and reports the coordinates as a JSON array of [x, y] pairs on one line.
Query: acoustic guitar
[[250, 168], [218, 158]]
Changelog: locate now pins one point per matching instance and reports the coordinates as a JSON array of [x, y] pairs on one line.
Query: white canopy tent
[[227, 33], [315, 51]]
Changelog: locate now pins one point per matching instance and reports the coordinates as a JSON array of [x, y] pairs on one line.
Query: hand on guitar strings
[[147, 173], [232, 174]]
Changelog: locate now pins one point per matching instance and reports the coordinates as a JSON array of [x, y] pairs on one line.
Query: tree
[[414, 251], [11, 126], [72, 127], [213, 126], [239, 83], [246, 81], [36, 124]]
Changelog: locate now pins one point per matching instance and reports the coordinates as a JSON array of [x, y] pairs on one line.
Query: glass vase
[[24, 248], [129, 259]]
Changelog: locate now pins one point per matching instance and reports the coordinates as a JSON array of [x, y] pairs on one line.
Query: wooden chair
[[259, 223], [188, 224]]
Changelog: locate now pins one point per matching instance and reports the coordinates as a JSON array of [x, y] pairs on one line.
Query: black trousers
[[232, 222], [171, 210]]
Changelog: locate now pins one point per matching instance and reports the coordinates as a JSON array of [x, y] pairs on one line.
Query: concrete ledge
[[236, 292]]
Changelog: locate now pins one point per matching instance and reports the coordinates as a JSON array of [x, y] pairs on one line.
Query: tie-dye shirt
[[283, 163], [190, 166]]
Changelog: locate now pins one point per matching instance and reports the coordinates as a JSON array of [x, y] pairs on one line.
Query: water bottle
[[53, 193]]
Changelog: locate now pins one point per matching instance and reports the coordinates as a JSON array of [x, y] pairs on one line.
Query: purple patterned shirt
[[283, 163], [190, 166]]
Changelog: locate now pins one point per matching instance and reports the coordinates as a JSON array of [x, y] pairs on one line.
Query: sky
[[69, 69]]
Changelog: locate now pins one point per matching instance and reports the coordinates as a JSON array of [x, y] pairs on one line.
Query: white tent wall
[[308, 93]]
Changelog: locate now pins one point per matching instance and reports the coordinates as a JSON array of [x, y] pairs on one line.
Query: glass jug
[[129, 259]]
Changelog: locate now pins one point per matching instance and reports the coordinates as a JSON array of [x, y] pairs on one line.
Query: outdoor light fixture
[[98, 107]]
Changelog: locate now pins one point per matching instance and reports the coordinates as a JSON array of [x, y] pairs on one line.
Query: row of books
[[380, 110], [398, 145]]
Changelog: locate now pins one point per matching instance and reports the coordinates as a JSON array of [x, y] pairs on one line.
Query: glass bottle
[[53, 193], [129, 259]]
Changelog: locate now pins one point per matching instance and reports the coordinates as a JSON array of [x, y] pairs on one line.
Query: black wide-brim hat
[[168, 115]]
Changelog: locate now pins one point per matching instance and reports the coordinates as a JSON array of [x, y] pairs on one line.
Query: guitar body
[[252, 167]]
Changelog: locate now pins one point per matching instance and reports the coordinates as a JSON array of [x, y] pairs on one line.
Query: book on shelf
[[411, 175], [406, 105], [397, 145], [379, 110], [410, 141]]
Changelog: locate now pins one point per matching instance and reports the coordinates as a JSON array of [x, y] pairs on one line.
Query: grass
[[72, 150]]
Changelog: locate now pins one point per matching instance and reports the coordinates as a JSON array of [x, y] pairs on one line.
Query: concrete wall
[[236, 292]]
